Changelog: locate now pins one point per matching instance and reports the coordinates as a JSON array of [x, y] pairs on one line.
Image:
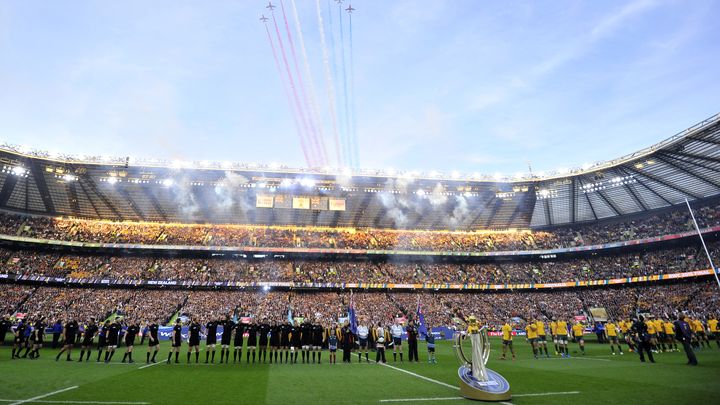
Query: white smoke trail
[[311, 83], [329, 83]]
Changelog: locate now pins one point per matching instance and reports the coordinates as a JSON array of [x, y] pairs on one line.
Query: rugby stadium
[[132, 280]]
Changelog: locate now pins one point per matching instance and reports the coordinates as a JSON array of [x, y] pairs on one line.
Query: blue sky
[[472, 86]]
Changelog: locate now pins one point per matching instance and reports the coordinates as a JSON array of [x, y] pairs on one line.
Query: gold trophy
[[477, 381]]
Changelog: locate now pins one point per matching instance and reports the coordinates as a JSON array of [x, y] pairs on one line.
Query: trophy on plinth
[[477, 381]]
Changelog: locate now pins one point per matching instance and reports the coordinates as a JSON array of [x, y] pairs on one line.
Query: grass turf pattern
[[598, 377]]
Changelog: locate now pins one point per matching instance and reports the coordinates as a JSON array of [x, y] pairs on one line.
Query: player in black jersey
[[38, 335], [285, 329], [113, 336], [70, 331], [132, 330], [238, 342], [176, 339], [211, 339], [295, 335], [274, 341], [228, 326], [102, 339], [263, 331], [306, 339], [318, 338], [194, 340], [19, 340], [5, 325], [153, 342], [252, 330], [87, 341]]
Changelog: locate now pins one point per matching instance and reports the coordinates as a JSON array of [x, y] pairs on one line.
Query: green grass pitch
[[597, 377]]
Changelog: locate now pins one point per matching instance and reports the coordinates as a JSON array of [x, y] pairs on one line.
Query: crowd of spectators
[[238, 269], [439, 309], [622, 229]]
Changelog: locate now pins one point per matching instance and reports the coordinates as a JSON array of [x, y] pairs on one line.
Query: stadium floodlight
[[420, 192], [69, 177], [286, 183], [544, 193], [177, 164], [168, 182], [497, 176], [112, 180], [261, 184], [307, 182], [266, 288], [19, 171], [347, 172]]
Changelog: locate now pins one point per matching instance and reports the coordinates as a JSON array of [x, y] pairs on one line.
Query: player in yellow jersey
[[532, 336], [661, 336], [542, 337], [702, 335], [553, 335], [652, 332], [561, 332], [712, 324], [625, 327], [611, 330], [578, 332], [507, 340], [669, 329]]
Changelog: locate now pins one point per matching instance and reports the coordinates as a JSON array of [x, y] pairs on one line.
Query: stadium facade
[[661, 176]]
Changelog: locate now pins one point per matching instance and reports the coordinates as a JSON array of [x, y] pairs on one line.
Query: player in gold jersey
[[669, 329], [611, 331], [561, 332], [542, 338], [553, 334], [532, 335], [507, 340], [578, 332], [713, 328]]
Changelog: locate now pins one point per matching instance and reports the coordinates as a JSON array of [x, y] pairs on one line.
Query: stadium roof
[[686, 165]]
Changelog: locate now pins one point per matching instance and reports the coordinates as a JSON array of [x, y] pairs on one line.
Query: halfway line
[[44, 395]]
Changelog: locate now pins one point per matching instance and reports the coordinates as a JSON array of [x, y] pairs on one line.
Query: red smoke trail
[[292, 86], [313, 135], [287, 95]]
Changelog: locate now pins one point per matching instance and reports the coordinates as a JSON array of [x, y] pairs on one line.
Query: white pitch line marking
[[589, 358], [44, 395], [150, 365], [421, 376], [79, 402]]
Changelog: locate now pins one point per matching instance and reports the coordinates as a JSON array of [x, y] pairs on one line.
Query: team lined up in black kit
[[284, 340]]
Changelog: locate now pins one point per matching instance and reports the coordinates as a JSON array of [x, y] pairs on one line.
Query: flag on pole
[[351, 315], [422, 329]]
